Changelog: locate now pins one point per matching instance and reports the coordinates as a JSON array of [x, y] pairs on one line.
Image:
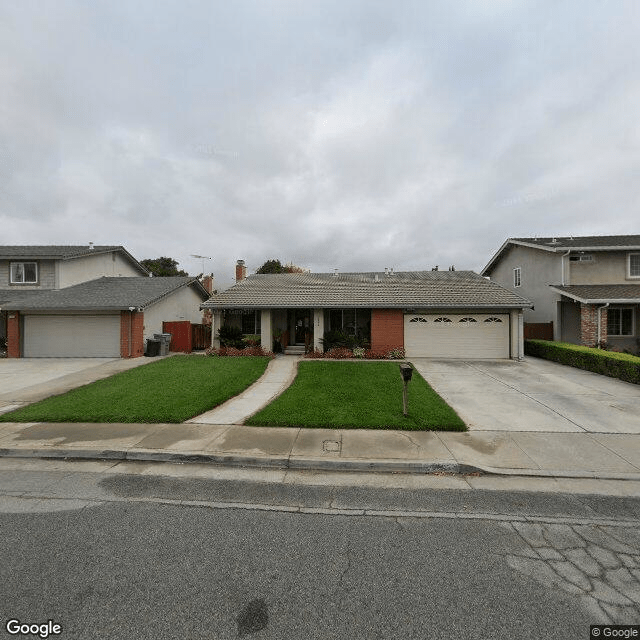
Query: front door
[[302, 321]]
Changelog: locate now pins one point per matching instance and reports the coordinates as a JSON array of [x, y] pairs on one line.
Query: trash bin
[[153, 348], [165, 341]]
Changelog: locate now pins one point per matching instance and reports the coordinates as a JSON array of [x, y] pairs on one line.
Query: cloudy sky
[[349, 134]]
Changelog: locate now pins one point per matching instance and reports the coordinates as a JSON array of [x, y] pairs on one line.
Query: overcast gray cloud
[[340, 134]]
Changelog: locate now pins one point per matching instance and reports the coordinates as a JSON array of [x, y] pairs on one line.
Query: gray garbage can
[[165, 341]]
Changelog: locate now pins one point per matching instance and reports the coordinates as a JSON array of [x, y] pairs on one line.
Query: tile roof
[[414, 289], [601, 293], [106, 294], [584, 242], [52, 251]]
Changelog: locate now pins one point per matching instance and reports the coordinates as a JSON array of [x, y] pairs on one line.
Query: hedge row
[[615, 365]]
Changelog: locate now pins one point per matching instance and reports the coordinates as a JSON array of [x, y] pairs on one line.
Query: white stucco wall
[[90, 267], [183, 304]]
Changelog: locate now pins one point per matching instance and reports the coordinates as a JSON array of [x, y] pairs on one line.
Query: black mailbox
[[407, 371]]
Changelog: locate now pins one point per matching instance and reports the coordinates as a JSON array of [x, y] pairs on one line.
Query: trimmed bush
[[623, 366]]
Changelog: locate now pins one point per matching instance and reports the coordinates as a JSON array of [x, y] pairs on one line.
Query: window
[[24, 273], [493, 319], [442, 319], [467, 320], [585, 257], [351, 321], [620, 322], [418, 319], [251, 322], [517, 277], [634, 265]]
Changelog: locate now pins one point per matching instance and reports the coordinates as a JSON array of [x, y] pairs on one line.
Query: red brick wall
[[589, 325], [387, 329], [13, 334], [136, 318]]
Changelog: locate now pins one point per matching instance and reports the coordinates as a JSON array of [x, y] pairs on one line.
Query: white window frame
[[23, 264], [629, 274], [517, 277], [633, 322]]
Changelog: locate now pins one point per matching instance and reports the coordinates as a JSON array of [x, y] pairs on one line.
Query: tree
[[163, 267], [275, 266]]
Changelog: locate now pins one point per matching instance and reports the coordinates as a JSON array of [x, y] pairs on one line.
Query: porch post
[[266, 332], [216, 323], [318, 328]]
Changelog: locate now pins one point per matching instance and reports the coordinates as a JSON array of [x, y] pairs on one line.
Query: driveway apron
[[533, 395]]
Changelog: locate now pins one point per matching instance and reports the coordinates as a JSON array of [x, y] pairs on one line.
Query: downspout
[[564, 255], [604, 306], [131, 310]]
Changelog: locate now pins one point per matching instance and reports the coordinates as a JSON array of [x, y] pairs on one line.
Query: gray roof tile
[[414, 289], [584, 242], [52, 251], [603, 293], [104, 294]]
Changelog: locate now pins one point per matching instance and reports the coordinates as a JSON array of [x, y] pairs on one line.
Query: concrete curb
[[306, 464]]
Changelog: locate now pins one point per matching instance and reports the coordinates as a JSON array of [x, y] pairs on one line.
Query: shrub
[[234, 352], [251, 340], [230, 336], [608, 363], [339, 338], [339, 353]]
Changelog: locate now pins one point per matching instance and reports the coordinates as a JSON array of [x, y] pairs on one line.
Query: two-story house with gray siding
[[587, 287]]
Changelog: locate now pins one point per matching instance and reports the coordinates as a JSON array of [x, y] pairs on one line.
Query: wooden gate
[[200, 336], [538, 330]]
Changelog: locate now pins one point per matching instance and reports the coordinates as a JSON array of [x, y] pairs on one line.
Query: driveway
[[533, 395], [24, 380]]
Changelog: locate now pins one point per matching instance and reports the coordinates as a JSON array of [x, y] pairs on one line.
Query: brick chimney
[[241, 270], [207, 283]]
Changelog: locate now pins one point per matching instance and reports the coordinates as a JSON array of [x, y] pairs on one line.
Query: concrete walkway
[[560, 455], [279, 375]]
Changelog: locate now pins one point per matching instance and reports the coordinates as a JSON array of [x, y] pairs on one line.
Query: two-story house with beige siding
[[86, 301], [587, 287]]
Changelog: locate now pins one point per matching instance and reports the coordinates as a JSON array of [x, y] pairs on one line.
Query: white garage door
[[72, 336], [469, 336]]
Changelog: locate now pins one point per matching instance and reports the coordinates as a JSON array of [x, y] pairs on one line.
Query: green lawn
[[365, 395], [169, 390]]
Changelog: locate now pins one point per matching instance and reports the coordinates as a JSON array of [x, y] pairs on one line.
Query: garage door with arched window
[[446, 335]]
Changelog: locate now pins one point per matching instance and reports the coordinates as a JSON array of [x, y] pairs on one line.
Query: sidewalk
[[563, 455]]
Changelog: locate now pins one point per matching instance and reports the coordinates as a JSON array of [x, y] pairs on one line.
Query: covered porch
[[294, 330], [599, 315]]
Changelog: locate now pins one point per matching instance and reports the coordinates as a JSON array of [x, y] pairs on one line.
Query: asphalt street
[[119, 553]]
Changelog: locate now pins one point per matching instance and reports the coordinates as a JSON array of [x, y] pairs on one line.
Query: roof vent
[[335, 273], [553, 241], [91, 246]]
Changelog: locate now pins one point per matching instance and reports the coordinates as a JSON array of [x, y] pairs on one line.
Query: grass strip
[[357, 395], [169, 390]]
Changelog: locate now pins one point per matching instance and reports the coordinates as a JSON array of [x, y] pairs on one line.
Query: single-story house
[[105, 317], [437, 314]]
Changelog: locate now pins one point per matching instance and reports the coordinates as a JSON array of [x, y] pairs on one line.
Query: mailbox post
[[407, 371]]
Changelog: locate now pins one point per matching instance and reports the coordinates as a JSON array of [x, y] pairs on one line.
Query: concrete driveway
[[533, 395], [24, 380]]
